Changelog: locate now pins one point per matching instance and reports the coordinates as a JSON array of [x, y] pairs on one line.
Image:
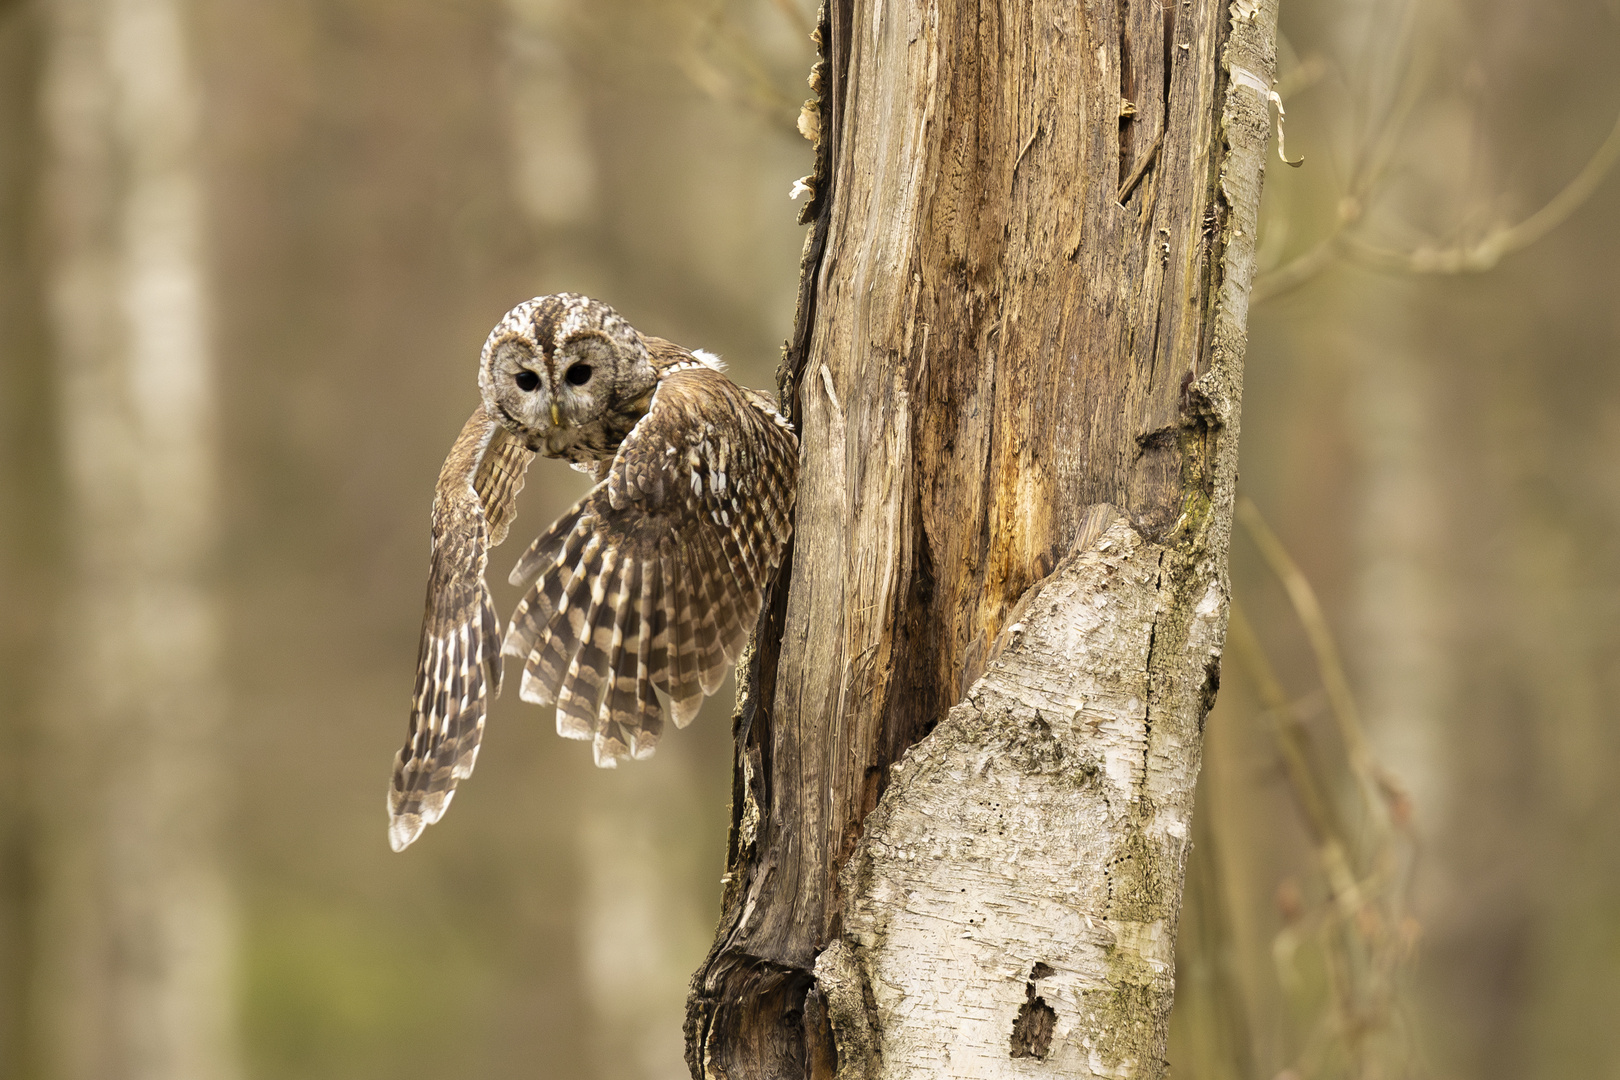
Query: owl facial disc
[[562, 372]]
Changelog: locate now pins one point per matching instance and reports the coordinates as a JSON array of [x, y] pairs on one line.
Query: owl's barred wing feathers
[[499, 479], [655, 578], [647, 588], [458, 664]]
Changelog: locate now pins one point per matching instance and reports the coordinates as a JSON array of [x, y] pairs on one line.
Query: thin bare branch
[[1292, 741], [1480, 255], [1135, 178], [1309, 611], [795, 15], [725, 62], [1490, 250], [1360, 941], [1298, 270]]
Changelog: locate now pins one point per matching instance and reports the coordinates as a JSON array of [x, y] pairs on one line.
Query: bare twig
[[1029, 142], [1361, 941], [725, 62], [1141, 169], [1298, 270], [1482, 254], [1486, 252], [1290, 735], [1309, 611], [1365, 174], [795, 15]]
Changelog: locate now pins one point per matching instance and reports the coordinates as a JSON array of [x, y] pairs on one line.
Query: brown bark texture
[[969, 730]]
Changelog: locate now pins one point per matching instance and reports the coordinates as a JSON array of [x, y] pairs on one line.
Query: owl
[[643, 593]]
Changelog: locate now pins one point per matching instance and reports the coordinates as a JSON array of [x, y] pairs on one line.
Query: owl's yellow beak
[[556, 417]]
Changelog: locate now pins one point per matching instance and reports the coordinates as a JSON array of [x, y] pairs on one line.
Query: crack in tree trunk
[[991, 356]]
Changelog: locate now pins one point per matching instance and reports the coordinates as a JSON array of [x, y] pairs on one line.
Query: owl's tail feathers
[[598, 648], [674, 661], [558, 545], [633, 674], [587, 644], [628, 718], [566, 560], [607, 628]]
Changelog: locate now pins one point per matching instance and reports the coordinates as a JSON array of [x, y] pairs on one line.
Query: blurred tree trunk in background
[[29, 542], [637, 927], [1438, 449], [1022, 307], [1511, 440], [132, 921]]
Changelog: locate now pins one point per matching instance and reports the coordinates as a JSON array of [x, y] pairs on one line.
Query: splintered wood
[[970, 730]]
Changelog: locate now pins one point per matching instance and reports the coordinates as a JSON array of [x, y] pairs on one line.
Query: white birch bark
[[134, 951], [1012, 903]]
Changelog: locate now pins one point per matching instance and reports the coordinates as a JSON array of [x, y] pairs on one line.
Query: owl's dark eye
[[526, 381], [578, 374]]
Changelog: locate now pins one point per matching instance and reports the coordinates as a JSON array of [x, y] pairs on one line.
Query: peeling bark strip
[[1022, 306]]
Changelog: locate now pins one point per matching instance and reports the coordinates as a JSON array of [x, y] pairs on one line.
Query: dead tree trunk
[[971, 727]]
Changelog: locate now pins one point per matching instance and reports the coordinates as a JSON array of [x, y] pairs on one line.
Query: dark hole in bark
[[1127, 88], [1041, 970], [1032, 1030]]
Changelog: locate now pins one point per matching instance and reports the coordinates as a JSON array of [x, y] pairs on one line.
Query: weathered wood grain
[[991, 349]]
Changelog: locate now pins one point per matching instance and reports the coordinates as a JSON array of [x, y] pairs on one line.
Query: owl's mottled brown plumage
[[651, 582]]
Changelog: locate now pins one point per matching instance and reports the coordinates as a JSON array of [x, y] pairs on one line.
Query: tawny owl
[[651, 582]]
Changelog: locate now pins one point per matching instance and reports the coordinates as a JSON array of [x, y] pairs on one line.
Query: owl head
[[556, 368]]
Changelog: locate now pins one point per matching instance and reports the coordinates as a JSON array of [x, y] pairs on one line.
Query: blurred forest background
[[248, 255]]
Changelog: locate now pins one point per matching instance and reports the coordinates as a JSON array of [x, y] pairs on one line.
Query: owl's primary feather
[[458, 667], [648, 586]]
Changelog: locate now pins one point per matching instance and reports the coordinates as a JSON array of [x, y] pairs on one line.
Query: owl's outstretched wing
[[458, 666], [656, 577]]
